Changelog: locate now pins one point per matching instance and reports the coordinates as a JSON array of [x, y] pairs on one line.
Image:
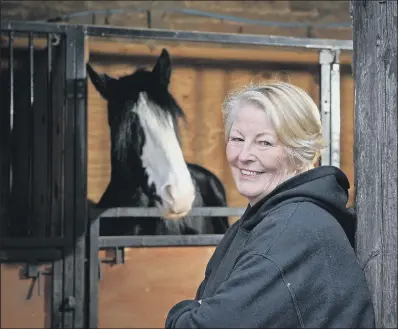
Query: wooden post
[[375, 73]]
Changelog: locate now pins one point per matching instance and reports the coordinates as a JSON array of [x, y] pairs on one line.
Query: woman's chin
[[249, 193]]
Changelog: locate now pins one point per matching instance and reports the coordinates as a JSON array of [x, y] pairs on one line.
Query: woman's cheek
[[231, 153]]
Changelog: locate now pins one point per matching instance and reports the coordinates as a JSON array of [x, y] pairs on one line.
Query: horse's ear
[[163, 68], [100, 81]]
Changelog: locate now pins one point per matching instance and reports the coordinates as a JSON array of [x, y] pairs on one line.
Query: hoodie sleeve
[[255, 295]]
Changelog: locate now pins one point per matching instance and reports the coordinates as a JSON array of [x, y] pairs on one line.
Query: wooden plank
[[375, 70], [184, 89], [347, 131], [241, 53], [98, 144], [16, 309], [151, 279], [209, 129]]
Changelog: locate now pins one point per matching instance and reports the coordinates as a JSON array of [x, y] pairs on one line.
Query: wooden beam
[[375, 72], [185, 51], [257, 54]]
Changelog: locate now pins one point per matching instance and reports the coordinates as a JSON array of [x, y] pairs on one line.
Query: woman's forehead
[[252, 119]]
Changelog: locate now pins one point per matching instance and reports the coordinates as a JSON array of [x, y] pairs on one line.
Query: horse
[[147, 164]]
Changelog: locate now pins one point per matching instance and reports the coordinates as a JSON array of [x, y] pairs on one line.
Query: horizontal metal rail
[[223, 38], [26, 27], [178, 35], [155, 212], [35, 242], [30, 255], [159, 241]]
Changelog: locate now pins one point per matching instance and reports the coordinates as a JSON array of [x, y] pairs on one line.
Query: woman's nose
[[246, 153]]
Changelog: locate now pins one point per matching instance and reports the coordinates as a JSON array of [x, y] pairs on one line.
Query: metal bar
[[178, 36], [57, 294], [94, 267], [24, 27], [32, 242], [30, 214], [38, 139], [325, 60], [335, 111], [5, 149], [80, 185], [155, 212], [57, 147], [160, 240], [49, 141], [69, 173], [11, 77], [209, 37], [30, 255]]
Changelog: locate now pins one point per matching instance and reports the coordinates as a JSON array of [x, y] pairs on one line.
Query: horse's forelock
[[126, 134]]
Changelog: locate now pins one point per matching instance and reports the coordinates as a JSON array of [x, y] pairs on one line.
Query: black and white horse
[[147, 164]]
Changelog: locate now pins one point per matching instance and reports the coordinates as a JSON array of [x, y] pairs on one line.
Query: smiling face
[[258, 161]]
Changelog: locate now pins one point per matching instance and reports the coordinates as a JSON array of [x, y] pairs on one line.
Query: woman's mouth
[[245, 172]]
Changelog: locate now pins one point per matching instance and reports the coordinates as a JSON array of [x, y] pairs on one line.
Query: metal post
[[330, 106], [80, 146], [335, 111]]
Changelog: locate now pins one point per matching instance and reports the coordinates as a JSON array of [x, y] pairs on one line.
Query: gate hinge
[[29, 271], [81, 87], [76, 89]]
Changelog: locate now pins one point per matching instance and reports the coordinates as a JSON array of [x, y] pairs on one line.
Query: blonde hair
[[292, 112]]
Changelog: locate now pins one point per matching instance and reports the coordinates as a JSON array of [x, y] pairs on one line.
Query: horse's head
[[143, 116]]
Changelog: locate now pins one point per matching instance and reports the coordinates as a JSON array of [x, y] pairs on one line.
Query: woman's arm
[[254, 296]]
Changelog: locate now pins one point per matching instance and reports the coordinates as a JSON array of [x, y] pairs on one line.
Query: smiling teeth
[[250, 173]]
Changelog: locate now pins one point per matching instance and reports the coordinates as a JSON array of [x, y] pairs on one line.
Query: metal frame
[[330, 105], [75, 302]]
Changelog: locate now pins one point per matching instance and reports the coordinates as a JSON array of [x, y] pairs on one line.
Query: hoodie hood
[[325, 186]]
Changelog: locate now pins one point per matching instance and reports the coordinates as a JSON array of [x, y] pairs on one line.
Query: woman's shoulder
[[300, 226]]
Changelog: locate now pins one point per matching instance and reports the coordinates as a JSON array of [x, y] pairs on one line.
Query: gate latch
[[29, 271], [116, 258]]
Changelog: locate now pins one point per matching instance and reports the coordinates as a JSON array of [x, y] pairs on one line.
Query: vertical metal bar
[[30, 135], [49, 143], [56, 131], [57, 118], [69, 174], [80, 178], [5, 145], [335, 111], [93, 277], [11, 78], [325, 59], [57, 294]]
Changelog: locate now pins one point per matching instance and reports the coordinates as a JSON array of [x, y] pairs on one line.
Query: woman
[[289, 261]]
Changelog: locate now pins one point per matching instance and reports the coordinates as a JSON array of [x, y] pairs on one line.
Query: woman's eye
[[236, 139], [265, 143]]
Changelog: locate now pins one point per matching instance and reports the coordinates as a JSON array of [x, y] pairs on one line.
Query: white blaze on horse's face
[[163, 160]]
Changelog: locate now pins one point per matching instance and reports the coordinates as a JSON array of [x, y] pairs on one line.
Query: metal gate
[[43, 160], [43, 121]]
